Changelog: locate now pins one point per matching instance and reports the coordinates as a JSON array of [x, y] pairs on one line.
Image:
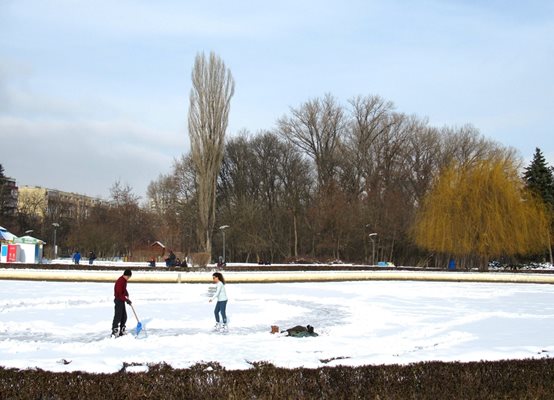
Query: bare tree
[[241, 197], [172, 201], [264, 187], [126, 218], [317, 128], [466, 146], [163, 202], [296, 177], [210, 100]]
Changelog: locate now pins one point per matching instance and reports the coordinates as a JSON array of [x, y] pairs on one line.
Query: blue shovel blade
[[139, 327]]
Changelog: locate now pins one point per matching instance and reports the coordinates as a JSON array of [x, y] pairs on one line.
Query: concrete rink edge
[[274, 276]]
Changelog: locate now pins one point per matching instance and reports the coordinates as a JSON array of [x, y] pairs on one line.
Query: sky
[[358, 323], [93, 93]]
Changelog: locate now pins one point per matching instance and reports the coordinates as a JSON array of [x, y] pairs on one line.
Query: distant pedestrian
[[91, 257], [221, 297], [121, 296], [170, 260], [76, 257]]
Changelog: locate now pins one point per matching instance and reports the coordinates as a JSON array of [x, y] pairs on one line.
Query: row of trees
[[325, 178], [113, 228], [268, 192]]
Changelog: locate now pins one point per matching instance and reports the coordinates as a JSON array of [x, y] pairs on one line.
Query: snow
[[367, 322]]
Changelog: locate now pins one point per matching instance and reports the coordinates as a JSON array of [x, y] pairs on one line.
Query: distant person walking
[[77, 257], [91, 257], [221, 305], [121, 296]]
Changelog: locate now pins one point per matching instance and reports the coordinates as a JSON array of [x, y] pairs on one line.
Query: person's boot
[[122, 331], [114, 332], [217, 326]]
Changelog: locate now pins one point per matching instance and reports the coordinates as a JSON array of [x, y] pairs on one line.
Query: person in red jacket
[[121, 296]]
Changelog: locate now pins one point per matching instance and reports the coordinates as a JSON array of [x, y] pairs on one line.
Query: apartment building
[[9, 197], [43, 202]]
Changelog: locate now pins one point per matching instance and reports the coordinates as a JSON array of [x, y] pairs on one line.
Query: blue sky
[[97, 92]]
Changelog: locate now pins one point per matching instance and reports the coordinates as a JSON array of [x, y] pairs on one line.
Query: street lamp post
[[222, 229], [56, 226], [371, 236]]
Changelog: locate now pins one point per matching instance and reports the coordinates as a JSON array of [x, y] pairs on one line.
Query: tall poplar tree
[[210, 101]]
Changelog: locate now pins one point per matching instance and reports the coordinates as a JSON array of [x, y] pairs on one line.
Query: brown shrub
[[511, 379], [200, 259]]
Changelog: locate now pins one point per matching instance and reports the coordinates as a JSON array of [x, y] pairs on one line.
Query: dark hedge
[[514, 379], [250, 268]]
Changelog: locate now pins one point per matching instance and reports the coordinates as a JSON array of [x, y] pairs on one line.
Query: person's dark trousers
[[120, 314]]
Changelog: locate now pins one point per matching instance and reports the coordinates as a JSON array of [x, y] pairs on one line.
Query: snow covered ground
[[369, 322]]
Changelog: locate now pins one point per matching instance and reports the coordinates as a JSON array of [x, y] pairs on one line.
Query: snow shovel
[[139, 324]]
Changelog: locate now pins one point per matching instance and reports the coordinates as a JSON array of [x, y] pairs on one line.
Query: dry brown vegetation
[[517, 379]]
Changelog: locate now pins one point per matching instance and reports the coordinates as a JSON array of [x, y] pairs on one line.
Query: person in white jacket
[[221, 297]]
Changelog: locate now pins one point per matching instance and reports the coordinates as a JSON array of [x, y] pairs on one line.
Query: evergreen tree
[[4, 193], [539, 178]]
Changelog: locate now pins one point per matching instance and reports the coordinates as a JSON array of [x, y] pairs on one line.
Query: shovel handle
[[134, 312]]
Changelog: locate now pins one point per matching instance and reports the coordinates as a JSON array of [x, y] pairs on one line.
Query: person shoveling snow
[[121, 296]]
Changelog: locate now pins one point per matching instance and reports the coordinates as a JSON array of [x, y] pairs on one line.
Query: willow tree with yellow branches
[[481, 211]]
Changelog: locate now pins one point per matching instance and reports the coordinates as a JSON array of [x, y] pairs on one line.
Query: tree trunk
[[295, 227]]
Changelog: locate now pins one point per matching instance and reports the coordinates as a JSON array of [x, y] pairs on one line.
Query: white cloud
[[85, 157], [110, 80]]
